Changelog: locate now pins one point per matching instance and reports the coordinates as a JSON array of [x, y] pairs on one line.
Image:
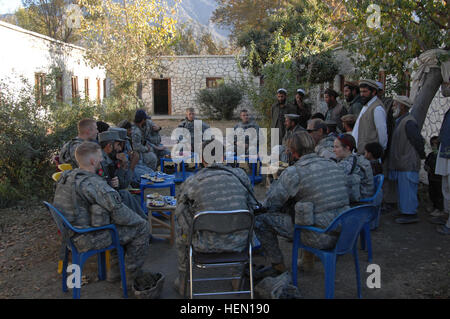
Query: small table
[[180, 176], [145, 183], [166, 212], [254, 176]]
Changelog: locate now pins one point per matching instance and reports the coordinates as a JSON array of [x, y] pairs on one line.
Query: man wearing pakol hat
[[292, 126], [351, 94], [303, 109], [407, 150], [370, 125], [279, 109], [335, 109], [148, 157]]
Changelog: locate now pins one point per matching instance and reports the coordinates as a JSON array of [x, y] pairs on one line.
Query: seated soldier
[[140, 145], [117, 171], [313, 190], [356, 167], [87, 131], [140, 169], [246, 124], [188, 123], [153, 138], [215, 187], [291, 123], [86, 200], [324, 142]]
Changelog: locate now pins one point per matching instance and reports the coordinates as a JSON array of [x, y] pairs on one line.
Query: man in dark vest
[[279, 110], [335, 109], [370, 125], [407, 150]]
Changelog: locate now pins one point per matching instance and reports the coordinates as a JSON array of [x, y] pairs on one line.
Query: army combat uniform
[[325, 147], [360, 177], [67, 153], [211, 190], [147, 157], [313, 190], [189, 125], [86, 200]]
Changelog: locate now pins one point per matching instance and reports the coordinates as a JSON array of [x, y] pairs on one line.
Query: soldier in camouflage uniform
[[87, 131], [324, 143], [292, 127], [188, 123], [356, 167], [313, 190], [213, 188], [86, 200], [153, 138], [246, 124], [148, 157], [116, 169]]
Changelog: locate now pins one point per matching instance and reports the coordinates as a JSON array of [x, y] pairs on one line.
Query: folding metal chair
[[221, 222]]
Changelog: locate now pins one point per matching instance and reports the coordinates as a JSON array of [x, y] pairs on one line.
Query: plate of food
[[153, 196], [157, 203], [146, 176], [157, 179]]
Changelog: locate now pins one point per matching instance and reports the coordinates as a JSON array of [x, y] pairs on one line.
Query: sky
[[9, 6]]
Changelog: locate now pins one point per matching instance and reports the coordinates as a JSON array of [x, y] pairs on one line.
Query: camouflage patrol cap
[[122, 132], [109, 136]]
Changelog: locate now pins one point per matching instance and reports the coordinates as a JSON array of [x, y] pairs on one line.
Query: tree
[[391, 33], [126, 38], [47, 17]]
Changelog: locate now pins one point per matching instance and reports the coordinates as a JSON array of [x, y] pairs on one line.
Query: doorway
[[161, 97]]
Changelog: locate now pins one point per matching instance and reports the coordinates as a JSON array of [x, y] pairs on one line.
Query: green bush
[[220, 103], [31, 135]]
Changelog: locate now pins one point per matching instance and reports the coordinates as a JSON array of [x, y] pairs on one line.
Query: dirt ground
[[414, 259]]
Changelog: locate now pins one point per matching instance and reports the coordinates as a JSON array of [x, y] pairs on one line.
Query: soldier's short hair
[[85, 124], [191, 109], [318, 124], [302, 143], [243, 111], [84, 150]]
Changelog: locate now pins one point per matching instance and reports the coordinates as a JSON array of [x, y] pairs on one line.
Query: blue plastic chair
[[351, 222], [375, 200], [182, 175], [80, 258]]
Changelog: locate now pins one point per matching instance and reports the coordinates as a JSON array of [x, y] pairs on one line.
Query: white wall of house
[[24, 53], [187, 75]]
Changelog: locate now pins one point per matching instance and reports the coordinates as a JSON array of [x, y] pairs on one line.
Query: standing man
[[370, 125], [404, 159], [351, 94], [303, 109], [87, 131], [335, 110], [139, 143], [279, 110], [443, 168]]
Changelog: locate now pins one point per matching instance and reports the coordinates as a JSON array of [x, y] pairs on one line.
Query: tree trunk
[[422, 102]]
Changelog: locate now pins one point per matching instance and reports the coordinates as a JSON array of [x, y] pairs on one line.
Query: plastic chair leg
[[368, 241], [362, 239], [358, 275], [101, 262], [77, 260], [64, 270], [123, 275], [295, 257], [330, 274]]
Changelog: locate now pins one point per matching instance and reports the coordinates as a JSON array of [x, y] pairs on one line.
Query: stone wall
[[25, 53], [187, 75]]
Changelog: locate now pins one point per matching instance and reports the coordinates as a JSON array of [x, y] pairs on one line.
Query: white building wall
[[24, 53], [187, 76]]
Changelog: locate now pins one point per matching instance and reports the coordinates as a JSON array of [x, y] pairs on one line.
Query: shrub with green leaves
[[220, 102]]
